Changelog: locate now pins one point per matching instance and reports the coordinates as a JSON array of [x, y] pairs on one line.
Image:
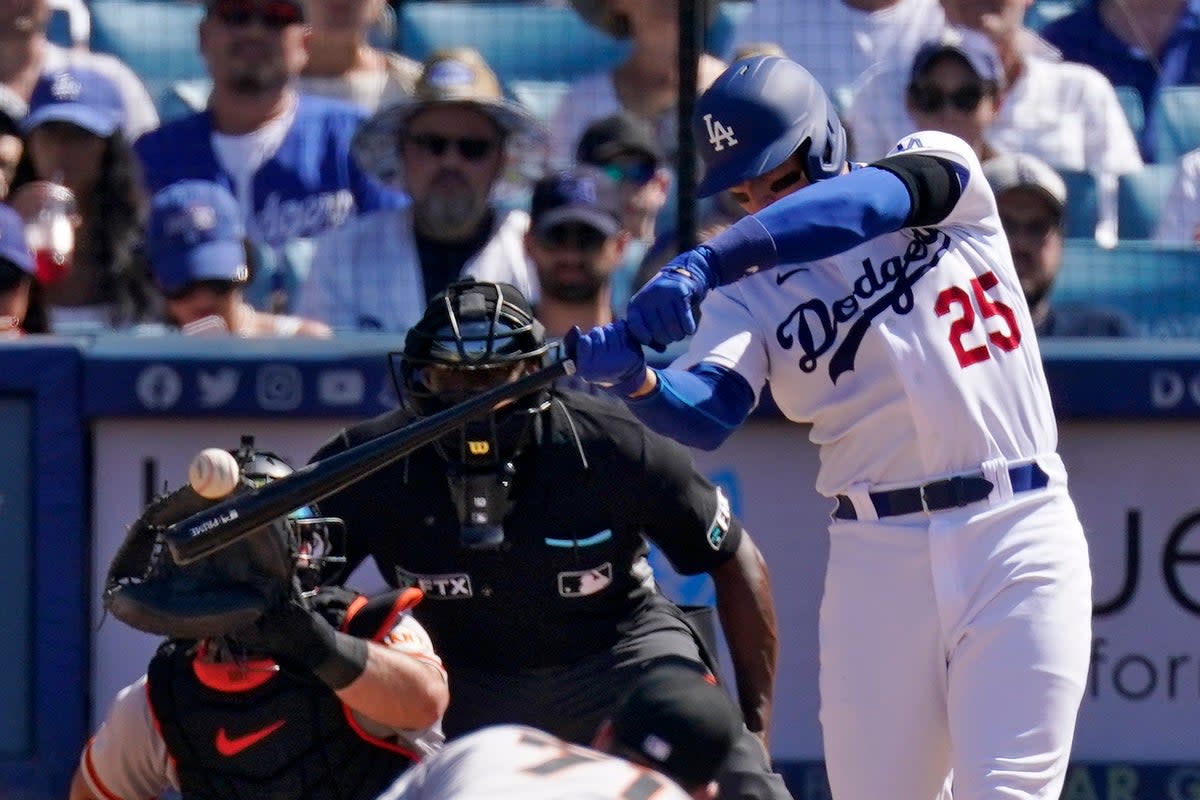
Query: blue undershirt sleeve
[[821, 220], [698, 407]]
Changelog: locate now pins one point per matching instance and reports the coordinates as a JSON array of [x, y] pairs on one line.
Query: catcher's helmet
[[309, 536], [759, 112]]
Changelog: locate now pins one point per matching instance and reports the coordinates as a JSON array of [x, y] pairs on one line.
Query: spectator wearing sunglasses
[[955, 88], [1032, 199], [1066, 114], [283, 154], [29, 55], [196, 244], [623, 146], [22, 306], [577, 243], [448, 148]]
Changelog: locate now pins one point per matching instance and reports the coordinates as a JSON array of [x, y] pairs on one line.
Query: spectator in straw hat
[[447, 147]]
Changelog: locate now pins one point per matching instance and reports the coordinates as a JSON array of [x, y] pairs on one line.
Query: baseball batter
[[881, 303]]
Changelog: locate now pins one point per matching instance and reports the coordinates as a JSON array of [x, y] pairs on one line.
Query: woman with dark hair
[[74, 139], [22, 306]]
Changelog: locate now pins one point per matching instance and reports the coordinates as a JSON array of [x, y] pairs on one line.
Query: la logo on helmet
[[718, 134]]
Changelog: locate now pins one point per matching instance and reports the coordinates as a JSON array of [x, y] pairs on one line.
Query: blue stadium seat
[[540, 97], [519, 41], [1140, 198], [1131, 104], [156, 38], [1175, 118], [1082, 211], [1158, 286], [58, 30]]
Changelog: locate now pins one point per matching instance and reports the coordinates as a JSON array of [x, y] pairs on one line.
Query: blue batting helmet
[[756, 114]]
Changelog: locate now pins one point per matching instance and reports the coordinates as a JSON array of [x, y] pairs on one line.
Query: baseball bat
[[220, 525]]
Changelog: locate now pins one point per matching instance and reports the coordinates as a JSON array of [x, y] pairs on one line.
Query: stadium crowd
[[366, 179]]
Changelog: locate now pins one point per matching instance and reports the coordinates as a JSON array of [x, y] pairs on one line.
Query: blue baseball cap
[[12, 240], [80, 96], [583, 194], [195, 233]]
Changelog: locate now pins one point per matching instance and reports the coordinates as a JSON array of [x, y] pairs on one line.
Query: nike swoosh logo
[[780, 277], [231, 747]]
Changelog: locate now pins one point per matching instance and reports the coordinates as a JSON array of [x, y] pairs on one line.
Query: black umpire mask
[[474, 337]]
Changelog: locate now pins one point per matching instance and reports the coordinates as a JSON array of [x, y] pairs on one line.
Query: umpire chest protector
[[256, 731], [571, 574]]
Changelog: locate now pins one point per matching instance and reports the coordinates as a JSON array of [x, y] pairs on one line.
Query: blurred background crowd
[[277, 168]]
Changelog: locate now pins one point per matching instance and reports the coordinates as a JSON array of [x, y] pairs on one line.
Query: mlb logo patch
[[585, 582]]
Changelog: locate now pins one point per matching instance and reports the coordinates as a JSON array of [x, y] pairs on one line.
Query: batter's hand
[[663, 310], [608, 356]]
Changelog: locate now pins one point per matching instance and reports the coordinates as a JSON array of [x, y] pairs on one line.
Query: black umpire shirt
[[572, 573]]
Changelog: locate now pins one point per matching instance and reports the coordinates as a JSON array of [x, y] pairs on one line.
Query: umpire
[[527, 533]]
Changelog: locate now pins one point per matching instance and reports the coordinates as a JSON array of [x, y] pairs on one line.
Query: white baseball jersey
[[954, 644], [504, 762], [912, 355]]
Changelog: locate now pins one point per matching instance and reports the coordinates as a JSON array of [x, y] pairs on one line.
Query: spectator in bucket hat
[[447, 147]]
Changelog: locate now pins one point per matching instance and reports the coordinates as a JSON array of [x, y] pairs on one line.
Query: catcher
[[267, 686]]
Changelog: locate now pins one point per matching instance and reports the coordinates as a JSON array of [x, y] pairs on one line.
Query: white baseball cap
[[1023, 171]]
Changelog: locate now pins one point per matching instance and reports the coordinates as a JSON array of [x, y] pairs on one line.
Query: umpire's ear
[[603, 740]]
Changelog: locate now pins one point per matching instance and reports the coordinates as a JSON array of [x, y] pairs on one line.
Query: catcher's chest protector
[[268, 735]]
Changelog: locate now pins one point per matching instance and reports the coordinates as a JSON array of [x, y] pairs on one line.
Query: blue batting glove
[[608, 356], [661, 312]]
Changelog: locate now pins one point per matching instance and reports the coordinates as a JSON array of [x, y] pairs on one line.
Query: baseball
[[213, 473]]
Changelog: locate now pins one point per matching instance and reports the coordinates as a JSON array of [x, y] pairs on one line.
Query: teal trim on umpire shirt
[[602, 536]]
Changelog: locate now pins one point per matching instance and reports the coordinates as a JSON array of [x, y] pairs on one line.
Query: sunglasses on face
[[931, 100], [638, 174], [470, 148], [275, 15], [221, 288], [584, 238]]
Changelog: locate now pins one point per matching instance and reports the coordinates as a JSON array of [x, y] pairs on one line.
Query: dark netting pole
[[691, 45]]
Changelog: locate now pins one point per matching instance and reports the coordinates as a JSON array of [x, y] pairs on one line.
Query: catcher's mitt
[[226, 591]]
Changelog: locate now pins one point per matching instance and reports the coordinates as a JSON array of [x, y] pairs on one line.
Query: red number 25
[[958, 296]]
